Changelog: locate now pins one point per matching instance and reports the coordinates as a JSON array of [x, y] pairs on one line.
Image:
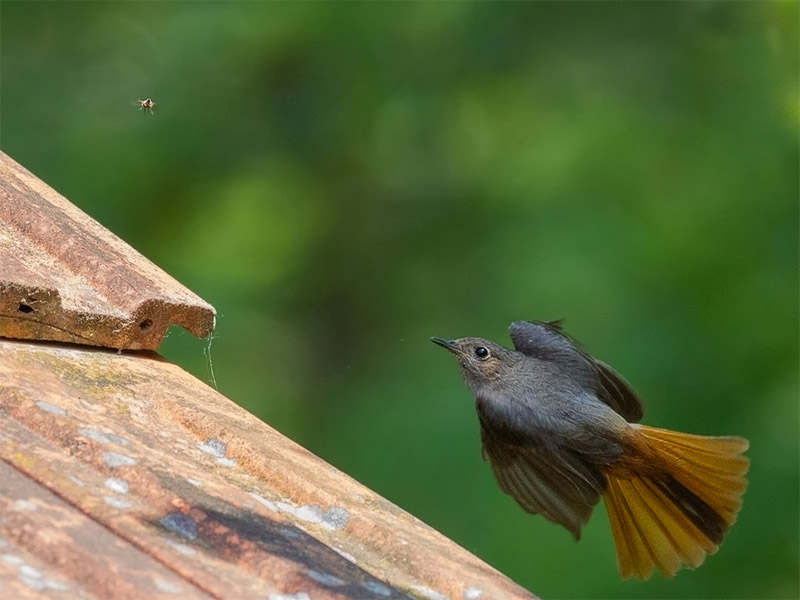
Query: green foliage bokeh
[[343, 181]]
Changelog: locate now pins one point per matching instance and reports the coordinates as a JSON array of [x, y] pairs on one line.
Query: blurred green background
[[343, 181]]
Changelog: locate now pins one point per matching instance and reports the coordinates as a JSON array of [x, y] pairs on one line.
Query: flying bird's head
[[481, 361]]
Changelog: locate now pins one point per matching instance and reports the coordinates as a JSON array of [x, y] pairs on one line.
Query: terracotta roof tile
[[64, 277], [128, 477]]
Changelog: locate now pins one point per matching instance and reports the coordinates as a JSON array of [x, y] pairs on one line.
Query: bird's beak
[[448, 344]]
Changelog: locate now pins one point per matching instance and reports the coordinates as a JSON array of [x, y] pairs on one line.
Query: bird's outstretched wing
[[617, 393], [560, 486], [547, 341]]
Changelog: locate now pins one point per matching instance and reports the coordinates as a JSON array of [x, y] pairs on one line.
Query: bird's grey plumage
[[548, 341], [555, 426], [545, 410]]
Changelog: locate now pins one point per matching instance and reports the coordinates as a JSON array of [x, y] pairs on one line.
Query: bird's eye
[[481, 352]]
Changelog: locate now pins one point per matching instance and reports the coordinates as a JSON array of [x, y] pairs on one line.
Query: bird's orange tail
[[671, 500]]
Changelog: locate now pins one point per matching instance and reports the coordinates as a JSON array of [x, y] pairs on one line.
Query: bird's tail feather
[[672, 502]]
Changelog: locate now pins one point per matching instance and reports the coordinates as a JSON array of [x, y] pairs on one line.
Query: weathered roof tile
[[64, 277], [123, 470]]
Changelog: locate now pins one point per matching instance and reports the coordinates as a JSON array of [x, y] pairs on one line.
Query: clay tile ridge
[[64, 277]]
